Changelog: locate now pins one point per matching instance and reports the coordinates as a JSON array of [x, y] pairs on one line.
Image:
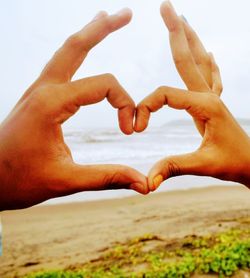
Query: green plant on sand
[[152, 257]]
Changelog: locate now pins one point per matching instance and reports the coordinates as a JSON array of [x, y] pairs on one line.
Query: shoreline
[[131, 194]]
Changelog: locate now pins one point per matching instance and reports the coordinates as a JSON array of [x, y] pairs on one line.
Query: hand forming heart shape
[[37, 165]]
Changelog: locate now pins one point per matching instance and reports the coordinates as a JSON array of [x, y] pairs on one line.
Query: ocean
[[141, 151]]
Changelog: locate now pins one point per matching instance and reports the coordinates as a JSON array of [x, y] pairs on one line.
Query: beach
[[65, 236]]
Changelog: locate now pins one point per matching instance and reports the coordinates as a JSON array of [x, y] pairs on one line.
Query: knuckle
[[206, 61], [117, 179], [175, 28], [107, 24], [130, 104], [114, 179], [74, 41], [172, 169], [40, 101], [203, 60], [161, 92], [162, 89], [191, 35], [142, 107], [182, 58], [146, 108], [110, 79]]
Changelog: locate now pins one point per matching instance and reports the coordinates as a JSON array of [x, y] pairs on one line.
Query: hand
[[35, 162], [193, 62], [225, 150]]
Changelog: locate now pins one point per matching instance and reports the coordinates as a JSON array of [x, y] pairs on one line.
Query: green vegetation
[[152, 257]]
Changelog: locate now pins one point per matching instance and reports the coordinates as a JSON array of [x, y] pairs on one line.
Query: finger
[[198, 51], [188, 164], [70, 56], [142, 115], [77, 178], [99, 15], [216, 77], [70, 96], [175, 98], [182, 55]]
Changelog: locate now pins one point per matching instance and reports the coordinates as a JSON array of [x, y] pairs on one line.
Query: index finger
[[174, 98], [66, 99], [182, 55], [70, 56]]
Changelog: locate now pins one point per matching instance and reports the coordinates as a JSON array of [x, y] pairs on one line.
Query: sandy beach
[[67, 235]]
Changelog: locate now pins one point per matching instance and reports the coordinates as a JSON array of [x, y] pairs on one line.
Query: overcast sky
[[138, 55]]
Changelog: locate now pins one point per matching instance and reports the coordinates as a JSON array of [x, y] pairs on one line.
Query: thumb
[[187, 164], [78, 178]]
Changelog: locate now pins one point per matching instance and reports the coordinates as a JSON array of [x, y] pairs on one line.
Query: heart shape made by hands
[[32, 137]]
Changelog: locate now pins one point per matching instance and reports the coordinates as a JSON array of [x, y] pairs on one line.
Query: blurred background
[[139, 56]]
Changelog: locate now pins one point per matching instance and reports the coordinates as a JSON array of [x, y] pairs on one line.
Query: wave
[[174, 132]]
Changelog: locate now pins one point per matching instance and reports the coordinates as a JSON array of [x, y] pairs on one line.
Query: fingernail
[[184, 18], [157, 181], [123, 12]]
